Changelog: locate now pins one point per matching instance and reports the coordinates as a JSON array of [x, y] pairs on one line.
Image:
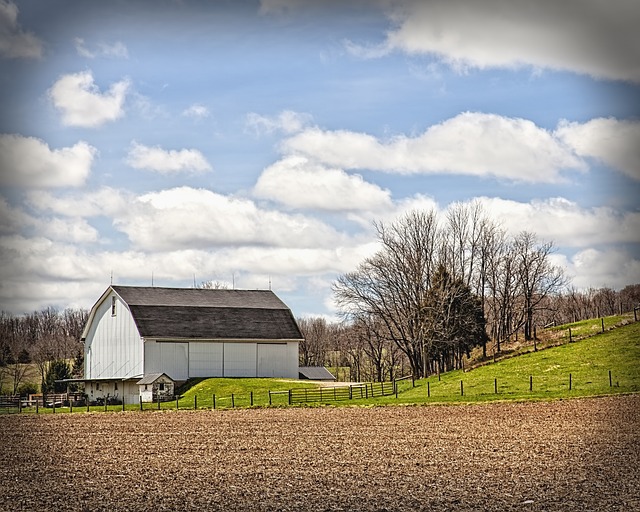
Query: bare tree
[[392, 284], [538, 277]]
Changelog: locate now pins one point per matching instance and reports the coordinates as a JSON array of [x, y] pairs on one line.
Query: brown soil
[[576, 455]]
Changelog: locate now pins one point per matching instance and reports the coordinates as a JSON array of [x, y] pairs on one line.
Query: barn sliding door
[[171, 358], [240, 360]]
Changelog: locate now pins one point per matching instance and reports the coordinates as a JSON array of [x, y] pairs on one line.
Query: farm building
[[156, 386], [135, 331]]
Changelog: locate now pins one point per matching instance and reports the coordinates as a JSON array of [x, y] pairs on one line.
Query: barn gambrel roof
[[193, 313]]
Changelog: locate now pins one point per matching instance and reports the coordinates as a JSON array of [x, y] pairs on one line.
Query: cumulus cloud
[[14, 42], [29, 162], [595, 268], [187, 217], [73, 230], [12, 219], [105, 201], [471, 143], [565, 222], [583, 36], [614, 142], [298, 183], [286, 121], [166, 161], [82, 104], [113, 50], [196, 111]]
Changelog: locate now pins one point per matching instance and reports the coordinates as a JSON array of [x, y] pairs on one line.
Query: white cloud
[[14, 42], [596, 268], [471, 143], [584, 36], [12, 219], [298, 183], [105, 201], [81, 102], [199, 218], [114, 50], [616, 143], [196, 111], [166, 162], [73, 230], [286, 121], [565, 222], [29, 162]]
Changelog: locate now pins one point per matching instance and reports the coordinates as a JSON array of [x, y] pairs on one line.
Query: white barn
[[134, 331]]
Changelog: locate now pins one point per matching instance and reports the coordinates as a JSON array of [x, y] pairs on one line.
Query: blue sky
[[256, 142]]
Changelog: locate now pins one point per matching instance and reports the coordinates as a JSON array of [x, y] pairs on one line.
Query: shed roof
[[152, 377], [315, 373]]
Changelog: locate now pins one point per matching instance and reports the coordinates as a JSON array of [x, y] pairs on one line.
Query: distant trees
[[39, 338]]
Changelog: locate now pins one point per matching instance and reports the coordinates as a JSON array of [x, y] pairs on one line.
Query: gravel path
[[572, 455]]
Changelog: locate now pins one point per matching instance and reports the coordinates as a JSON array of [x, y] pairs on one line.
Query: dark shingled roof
[[151, 378], [209, 314], [315, 373]]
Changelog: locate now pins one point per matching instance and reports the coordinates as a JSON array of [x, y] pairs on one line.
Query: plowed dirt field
[[574, 455]]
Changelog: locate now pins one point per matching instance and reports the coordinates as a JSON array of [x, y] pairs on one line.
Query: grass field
[[546, 374], [546, 371]]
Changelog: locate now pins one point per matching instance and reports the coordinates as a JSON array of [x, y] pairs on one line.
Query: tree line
[[49, 339], [440, 286]]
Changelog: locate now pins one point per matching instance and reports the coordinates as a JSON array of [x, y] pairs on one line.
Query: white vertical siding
[[171, 358], [205, 359], [113, 348], [240, 359], [272, 359]]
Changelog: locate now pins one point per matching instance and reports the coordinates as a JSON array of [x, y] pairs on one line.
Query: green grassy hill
[[541, 375], [587, 361]]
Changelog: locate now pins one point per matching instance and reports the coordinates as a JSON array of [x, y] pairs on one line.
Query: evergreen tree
[[57, 370]]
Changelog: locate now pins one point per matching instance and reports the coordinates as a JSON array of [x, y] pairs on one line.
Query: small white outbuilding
[[156, 386]]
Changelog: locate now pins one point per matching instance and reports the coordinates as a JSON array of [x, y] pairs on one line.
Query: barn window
[[161, 386], [115, 386], [113, 306]]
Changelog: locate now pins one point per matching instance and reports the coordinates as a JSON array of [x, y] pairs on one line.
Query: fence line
[[361, 391]]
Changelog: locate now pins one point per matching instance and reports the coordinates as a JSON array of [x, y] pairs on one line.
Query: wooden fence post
[[610, 382], [602, 322], [289, 397], [233, 401], [530, 382], [251, 398], [461, 389], [122, 402], [54, 405], [569, 382], [214, 400], [269, 397], [428, 390], [570, 335], [139, 398], [158, 397], [195, 402]]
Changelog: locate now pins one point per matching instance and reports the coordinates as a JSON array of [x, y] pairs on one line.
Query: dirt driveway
[[576, 455]]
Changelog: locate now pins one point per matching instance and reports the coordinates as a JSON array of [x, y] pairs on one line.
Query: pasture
[[570, 455]]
